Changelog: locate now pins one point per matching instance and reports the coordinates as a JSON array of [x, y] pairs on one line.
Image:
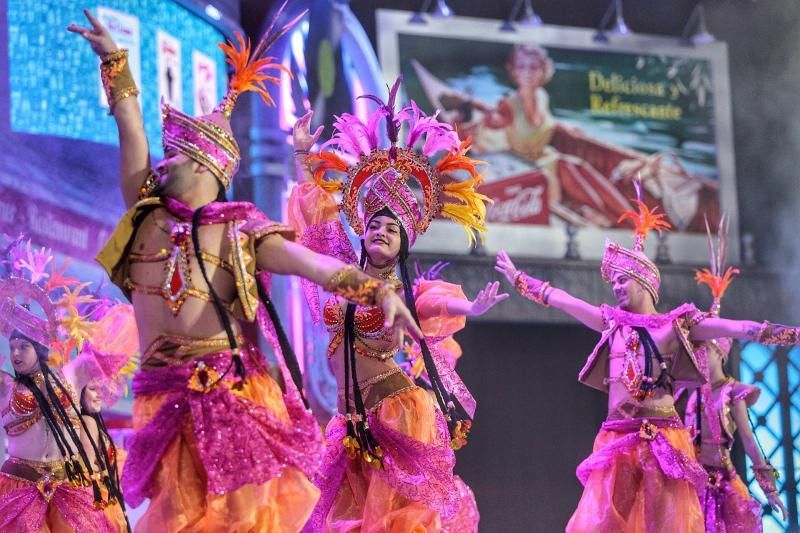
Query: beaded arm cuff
[[352, 284], [116, 76], [532, 288], [765, 476], [778, 334]]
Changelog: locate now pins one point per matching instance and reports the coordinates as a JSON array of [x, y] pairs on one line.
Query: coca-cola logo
[[519, 199], [521, 203]]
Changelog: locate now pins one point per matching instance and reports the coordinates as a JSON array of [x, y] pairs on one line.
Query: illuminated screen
[[54, 79], [59, 157]]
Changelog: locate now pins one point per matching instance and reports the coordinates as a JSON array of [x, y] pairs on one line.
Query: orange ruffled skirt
[[182, 502], [633, 495], [364, 501]]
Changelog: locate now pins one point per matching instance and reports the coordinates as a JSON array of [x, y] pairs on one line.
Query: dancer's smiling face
[[630, 294], [90, 400], [382, 239]]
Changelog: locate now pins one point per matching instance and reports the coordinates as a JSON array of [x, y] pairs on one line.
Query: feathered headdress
[[634, 262], [209, 139], [371, 177], [56, 311], [717, 278]]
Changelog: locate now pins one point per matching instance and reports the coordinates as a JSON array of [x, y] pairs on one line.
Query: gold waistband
[[642, 412], [34, 470], [380, 387], [167, 350]]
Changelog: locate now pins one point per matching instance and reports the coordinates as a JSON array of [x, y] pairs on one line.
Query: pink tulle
[[24, 509], [420, 472], [238, 442], [728, 507], [673, 463]]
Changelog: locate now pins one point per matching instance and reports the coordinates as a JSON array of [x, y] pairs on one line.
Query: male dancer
[[219, 446]]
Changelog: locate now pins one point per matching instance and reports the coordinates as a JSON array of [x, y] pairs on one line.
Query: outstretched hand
[[505, 266], [302, 137], [97, 36], [486, 299], [398, 318]]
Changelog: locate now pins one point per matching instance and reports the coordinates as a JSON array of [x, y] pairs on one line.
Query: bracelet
[[115, 73], [778, 334], [357, 287], [532, 288], [301, 152], [765, 476]]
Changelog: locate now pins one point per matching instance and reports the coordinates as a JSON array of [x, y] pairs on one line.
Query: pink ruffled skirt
[[641, 477]]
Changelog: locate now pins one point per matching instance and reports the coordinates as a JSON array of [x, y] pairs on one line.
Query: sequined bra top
[[372, 338], [23, 410]]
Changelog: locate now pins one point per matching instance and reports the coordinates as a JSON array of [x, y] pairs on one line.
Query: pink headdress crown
[[634, 262], [43, 304], [376, 178], [209, 139], [112, 356]]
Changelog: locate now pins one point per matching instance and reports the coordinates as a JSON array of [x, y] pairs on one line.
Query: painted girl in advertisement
[[587, 180]]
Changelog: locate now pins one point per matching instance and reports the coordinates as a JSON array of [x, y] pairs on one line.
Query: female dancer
[[47, 483], [389, 464], [718, 410]]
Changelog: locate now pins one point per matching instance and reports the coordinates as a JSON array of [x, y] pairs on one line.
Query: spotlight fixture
[[619, 27], [529, 17], [696, 32], [440, 11]]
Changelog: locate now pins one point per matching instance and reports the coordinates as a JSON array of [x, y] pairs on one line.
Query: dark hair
[[108, 462]]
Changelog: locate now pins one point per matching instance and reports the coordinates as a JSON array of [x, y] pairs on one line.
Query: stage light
[[529, 17], [213, 12], [619, 28], [441, 10], [696, 32]]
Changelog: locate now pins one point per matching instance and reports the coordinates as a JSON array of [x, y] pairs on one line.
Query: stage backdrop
[[567, 124]]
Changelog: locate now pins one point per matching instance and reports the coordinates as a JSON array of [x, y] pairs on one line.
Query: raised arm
[[121, 92], [763, 333], [542, 293], [281, 256], [761, 467], [304, 141]]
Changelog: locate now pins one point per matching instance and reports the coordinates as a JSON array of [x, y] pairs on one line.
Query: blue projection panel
[[54, 77]]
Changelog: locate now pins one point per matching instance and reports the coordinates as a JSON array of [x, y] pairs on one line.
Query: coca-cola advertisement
[[569, 126], [518, 199]]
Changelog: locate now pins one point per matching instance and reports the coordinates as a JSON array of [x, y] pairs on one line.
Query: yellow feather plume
[[469, 209]]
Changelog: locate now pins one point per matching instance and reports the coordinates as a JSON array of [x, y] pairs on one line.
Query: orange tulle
[[431, 298], [310, 204], [364, 502], [182, 502], [633, 495]]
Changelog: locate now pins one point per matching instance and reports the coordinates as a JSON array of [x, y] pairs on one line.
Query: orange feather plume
[[646, 219], [250, 73], [322, 162], [458, 160], [718, 284]]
